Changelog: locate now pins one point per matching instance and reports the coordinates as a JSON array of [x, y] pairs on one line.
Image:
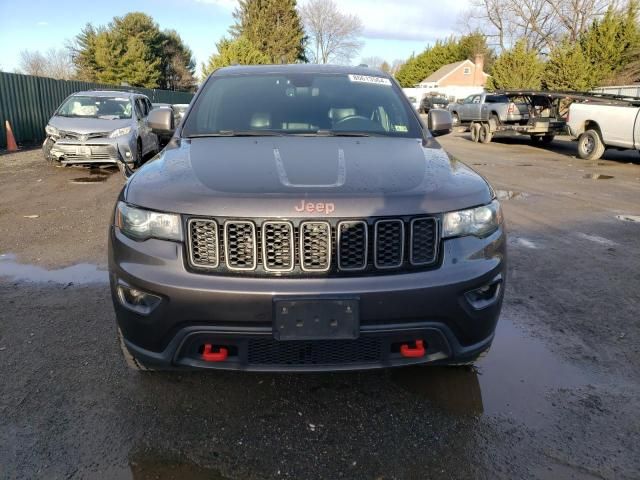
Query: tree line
[[551, 44]]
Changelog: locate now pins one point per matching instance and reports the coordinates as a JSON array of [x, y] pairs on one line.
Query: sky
[[393, 29]]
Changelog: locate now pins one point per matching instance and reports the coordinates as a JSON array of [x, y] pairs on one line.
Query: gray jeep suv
[[302, 218]]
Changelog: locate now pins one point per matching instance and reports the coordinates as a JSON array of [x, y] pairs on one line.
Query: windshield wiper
[[341, 133], [238, 133]]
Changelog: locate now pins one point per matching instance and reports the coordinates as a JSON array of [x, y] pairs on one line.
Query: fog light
[[136, 300], [127, 154], [484, 296]]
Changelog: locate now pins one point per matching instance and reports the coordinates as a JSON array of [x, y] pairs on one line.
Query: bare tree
[[54, 63], [541, 23], [333, 36]]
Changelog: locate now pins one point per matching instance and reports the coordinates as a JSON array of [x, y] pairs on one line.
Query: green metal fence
[[28, 102]]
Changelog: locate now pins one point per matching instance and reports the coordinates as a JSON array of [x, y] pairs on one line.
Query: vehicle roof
[[108, 93], [298, 68]]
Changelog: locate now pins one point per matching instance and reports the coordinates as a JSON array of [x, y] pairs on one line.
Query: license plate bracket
[[314, 319], [83, 151]]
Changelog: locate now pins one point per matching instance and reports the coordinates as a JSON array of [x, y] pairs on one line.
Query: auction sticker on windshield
[[369, 79]]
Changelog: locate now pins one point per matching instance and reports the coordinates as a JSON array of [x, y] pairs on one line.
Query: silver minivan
[[101, 127]]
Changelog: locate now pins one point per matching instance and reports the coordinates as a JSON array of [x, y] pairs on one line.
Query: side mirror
[[439, 122], [161, 120]]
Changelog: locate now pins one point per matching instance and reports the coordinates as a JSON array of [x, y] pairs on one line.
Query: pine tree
[[273, 26], [607, 43], [132, 49], [239, 51], [569, 69], [518, 68]]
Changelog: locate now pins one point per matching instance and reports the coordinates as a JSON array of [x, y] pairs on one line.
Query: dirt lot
[[557, 397]]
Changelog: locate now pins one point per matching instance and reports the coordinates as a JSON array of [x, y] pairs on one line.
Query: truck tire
[[46, 149], [455, 119], [590, 145], [475, 132], [485, 135], [547, 139]]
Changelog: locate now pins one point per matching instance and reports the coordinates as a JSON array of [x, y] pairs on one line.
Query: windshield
[[301, 104], [108, 108]]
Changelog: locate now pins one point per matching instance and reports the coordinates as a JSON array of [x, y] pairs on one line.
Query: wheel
[[547, 139], [137, 162], [455, 120], [495, 119], [485, 134], [475, 132], [535, 138], [590, 145], [130, 360]]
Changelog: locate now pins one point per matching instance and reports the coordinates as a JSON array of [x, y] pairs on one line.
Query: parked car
[[484, 106], [100, 127], [429, 102], [303, 219], [180, 109], [415, 103], [604, 124]]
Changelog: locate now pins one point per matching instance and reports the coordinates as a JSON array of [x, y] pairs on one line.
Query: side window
[[142, 107], [147, 102], [469, 99], [476, 99], [139, 110]]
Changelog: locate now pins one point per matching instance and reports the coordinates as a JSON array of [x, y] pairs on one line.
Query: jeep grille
[[312, 247]]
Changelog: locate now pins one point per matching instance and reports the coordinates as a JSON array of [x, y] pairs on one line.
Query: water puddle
[[510, 195], [524, 164], [629, 218], [96, 175], [81, 273], [597, 176], [513, 379]]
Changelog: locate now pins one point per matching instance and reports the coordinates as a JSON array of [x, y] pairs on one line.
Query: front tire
[[455, 119], [590, 145]]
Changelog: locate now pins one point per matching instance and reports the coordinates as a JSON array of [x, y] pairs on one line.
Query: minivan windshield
[[107, 108], [301, 104]]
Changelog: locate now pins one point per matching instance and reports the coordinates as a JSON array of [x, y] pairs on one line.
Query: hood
[[282, 176], [87, 125]]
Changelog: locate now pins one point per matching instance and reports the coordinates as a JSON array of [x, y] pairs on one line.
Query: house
[[455, 80]]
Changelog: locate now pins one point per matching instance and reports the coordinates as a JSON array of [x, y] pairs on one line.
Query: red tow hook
[[208, 355], [412, 352]]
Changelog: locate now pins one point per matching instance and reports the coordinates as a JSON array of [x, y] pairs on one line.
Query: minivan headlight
[[119, 132], [51, 130], [480, 221], [140, 224]]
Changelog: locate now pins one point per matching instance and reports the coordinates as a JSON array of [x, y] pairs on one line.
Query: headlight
[[119, 132], [480, 221], [51, 130], [140, 224]]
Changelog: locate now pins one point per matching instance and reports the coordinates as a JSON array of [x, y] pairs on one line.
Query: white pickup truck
[[601, 125]]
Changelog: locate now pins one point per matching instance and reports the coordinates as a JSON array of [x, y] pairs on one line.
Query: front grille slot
[[389, 243], [203, 242], [353, 245], [424, 241], [321, 352], [240, 245], [278, 246], [315, 246]]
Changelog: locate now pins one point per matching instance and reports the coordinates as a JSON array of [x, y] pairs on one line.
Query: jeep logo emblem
[[317, 207]]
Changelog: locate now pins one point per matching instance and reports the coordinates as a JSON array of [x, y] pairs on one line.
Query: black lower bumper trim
[[256, 349]]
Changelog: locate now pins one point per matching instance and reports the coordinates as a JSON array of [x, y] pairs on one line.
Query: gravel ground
[[557, 397]]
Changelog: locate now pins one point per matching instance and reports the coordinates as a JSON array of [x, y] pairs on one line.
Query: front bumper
[[236, 312], [93, 151]]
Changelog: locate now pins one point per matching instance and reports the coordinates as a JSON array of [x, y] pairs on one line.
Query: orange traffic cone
[[12, 146]]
